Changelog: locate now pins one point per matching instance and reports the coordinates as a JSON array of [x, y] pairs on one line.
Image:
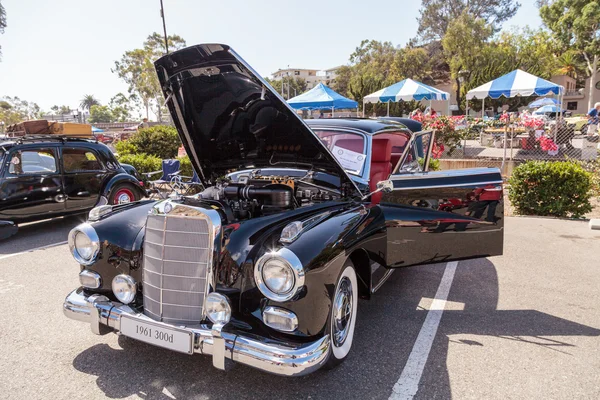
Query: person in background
[[321, 115], [144, 123], [593, 120]]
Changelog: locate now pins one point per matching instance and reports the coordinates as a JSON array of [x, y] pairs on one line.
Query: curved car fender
[[324, 250], [122, 177], [120, 243]]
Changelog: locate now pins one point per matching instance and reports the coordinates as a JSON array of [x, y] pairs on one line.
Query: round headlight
[[84, 244], [217, 308], [123, 287], [278, 275]]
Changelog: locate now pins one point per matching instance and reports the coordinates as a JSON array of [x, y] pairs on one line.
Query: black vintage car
[[266, 265], [49, 176]]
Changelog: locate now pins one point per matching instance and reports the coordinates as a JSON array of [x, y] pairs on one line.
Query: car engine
[[256, 195]]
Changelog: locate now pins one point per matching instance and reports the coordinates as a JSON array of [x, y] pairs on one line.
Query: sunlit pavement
[[525, 325]]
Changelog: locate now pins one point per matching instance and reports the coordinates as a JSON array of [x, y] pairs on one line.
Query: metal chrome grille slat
[[177, 251]]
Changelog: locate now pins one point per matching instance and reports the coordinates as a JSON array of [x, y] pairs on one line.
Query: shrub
[[160, 140], [434, 163], [142, 162], [561, 189], [185, 166], [124, 147]]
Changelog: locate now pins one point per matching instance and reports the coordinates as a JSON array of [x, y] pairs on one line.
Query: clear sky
[[54, 52]]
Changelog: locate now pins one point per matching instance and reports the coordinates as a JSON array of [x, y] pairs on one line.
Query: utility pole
[[162, 14]]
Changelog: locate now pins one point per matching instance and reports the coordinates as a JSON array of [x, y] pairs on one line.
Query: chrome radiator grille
[[177, 250]]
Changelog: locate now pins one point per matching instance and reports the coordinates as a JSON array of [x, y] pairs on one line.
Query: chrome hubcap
[[342, 311], [123, 198]]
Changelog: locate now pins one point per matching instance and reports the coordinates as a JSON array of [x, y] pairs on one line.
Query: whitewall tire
[[342, 320]]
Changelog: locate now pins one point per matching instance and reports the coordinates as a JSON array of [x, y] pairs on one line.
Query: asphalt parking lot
[[524, 325]]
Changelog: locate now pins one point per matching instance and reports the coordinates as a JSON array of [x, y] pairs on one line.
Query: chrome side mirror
[[386, 186]]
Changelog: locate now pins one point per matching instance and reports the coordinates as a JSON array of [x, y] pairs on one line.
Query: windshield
[[347, 148]]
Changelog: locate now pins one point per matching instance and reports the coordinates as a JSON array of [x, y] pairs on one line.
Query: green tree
[[437, 15], [136, 68], [14, 110], [570, 64], [463, 42], [296, 86], [2, 22], [100, 114], [576, 25], [122, 107], [88, 101]]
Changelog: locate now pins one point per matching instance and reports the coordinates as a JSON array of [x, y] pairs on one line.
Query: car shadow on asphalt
[[39, 234], [387, 328]]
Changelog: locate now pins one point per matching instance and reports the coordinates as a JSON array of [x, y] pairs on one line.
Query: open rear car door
[[439, 216]]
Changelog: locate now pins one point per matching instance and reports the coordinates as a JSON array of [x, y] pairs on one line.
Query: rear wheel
[[122, 194], [343, 316]]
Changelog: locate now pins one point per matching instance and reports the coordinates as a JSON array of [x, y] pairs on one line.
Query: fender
[[324, 250], [122, 177]]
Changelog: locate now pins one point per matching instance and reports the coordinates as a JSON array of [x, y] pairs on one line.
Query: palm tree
[[88, 101], [569, 64]]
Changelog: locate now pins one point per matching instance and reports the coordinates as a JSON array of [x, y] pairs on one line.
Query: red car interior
[[381, 167]]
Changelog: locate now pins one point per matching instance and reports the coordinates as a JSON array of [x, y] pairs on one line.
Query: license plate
[[157, 334]]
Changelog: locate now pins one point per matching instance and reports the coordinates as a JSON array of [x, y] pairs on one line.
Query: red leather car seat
[[381, 167]]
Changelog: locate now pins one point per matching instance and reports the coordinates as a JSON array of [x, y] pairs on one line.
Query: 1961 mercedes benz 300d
[[296, 222]]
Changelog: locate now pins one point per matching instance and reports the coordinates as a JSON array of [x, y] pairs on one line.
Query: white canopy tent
[[515, 83], [406, 90]]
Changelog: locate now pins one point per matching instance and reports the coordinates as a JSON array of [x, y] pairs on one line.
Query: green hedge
[[160, 140], [561, 189], [142, 162]]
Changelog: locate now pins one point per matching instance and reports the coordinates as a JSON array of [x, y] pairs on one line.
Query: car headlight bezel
[[131, 285], [291, 261], [87, 230]]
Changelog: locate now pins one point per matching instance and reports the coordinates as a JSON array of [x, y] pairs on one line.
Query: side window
[[417, 157], [34, 161], [80, 160]]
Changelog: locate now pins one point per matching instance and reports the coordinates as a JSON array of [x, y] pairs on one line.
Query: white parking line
[[408, 384], [31, 250]]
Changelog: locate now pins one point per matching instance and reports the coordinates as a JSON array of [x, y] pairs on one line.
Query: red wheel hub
[[123, 195]]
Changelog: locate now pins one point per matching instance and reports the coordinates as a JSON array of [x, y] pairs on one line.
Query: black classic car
[[49, 176], [266, 265]]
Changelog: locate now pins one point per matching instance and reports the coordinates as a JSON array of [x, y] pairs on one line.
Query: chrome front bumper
[[277, 358]]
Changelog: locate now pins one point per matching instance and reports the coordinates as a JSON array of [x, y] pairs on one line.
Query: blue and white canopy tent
[[515, 83], [544, 101], [321, 97], [547, 109], [406, 90]]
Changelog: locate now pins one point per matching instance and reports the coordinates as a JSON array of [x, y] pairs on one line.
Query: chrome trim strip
[[385, 277], [445, 174], [172, 290], [193, 233], [186, 262], [476, 184], [174, 276], [181, 247], [280, 358]]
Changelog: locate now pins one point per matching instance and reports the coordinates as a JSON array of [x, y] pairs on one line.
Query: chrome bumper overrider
[[275, 357]]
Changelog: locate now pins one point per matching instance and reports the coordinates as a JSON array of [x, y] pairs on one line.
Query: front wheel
[[343, 316], [122, 194]]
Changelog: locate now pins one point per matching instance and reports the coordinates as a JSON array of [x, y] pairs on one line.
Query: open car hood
[[229, 118]]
